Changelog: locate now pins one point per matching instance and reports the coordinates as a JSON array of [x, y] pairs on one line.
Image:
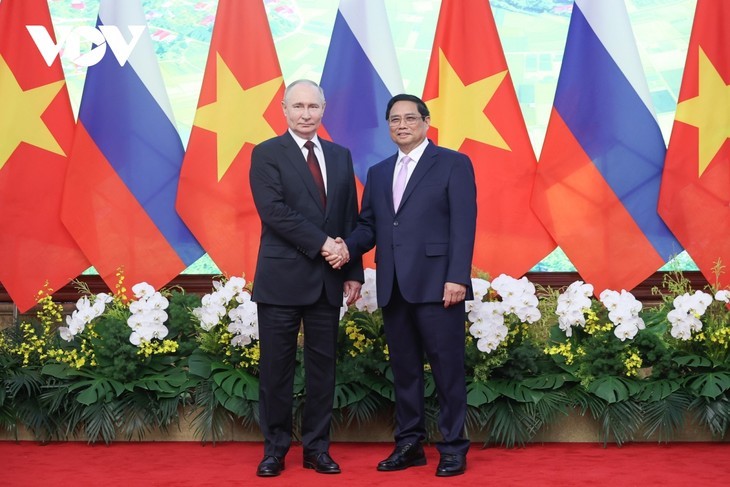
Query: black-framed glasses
[[408, 119]]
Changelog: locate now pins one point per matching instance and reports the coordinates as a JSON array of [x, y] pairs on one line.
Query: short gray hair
[[304, 81]]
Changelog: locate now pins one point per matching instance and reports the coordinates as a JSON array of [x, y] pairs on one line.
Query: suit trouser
[[278, 332], [412, 330]]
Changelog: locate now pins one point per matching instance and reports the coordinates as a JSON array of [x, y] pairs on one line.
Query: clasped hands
[[335, 252]]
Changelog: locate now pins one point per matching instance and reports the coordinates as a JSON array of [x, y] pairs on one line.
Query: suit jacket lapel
[[389, 170], [296, 159], [427, 160], [333, 167]]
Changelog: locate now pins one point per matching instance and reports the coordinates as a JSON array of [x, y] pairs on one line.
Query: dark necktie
[[315, 170]]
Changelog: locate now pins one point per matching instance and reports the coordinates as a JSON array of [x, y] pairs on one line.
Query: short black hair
[[422, 108]]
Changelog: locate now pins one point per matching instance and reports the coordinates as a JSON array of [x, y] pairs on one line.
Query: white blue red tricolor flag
[[119, 196], [360, 75], [600, 168]]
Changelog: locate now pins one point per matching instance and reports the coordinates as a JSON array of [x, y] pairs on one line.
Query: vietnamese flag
[[474, 110], [695, 191], [239, 107], [37, 126]]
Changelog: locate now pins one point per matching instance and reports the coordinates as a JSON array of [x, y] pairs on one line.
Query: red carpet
[[176, 464]]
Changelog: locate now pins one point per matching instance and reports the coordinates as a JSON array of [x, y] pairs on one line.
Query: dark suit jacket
[[430, 240], [294, 226]]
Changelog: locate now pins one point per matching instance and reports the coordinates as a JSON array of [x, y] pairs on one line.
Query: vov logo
[[71, 38]]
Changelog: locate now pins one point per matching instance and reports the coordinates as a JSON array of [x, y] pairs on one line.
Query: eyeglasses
[[410, 120]]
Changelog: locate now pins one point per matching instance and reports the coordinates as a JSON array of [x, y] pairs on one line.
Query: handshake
[[335, 252]]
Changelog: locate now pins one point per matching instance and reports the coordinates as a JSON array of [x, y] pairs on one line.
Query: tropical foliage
[[116, 368]]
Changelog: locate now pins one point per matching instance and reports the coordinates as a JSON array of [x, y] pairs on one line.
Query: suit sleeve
[[268, 195], [362, 238], [463, 218], [353, 269]]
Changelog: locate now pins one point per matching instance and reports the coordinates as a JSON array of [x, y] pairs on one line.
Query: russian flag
[[119, 196], [360, 76], [599, 173]]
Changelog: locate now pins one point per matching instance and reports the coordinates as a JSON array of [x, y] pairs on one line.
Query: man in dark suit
[[304, 191], [419, 210]]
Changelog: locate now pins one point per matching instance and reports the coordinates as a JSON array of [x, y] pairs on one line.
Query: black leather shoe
[[270, 466], [404, 456], [321, 463], [451, 465]]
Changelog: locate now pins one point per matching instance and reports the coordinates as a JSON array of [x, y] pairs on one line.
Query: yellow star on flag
[[20, 119], [709, 111], [458, 112], [237, 115]]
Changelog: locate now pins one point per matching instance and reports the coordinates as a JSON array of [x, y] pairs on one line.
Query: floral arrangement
[[225, 362], [228, 323], [112, 355], [363, 385], [505, 325], [711, 337], [601, 337], [116, 365]]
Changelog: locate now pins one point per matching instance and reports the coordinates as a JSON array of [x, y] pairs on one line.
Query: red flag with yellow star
[[239, 106], [695, 194], [474, 110], [37, 124]]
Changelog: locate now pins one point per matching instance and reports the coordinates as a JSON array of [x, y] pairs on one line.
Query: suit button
[[395, 223]]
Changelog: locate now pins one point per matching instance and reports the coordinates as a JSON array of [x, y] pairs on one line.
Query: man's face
[[303, 108], [411, 128]]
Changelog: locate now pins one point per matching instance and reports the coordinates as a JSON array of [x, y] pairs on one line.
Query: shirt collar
[[300, 141], [416, 153]]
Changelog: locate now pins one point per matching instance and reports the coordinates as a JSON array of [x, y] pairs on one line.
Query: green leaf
[[59, 371], [238, 383], [97, 390], [168, 384], [710, 384], [233, 404], [510, 423], [516, 390], [612, 389], [384, 387], [664, 417], [548, 381], [693, 361], [714, 414], [479, 393], [429, 385], [200, 364], [658, 390], [620, 421], [347, 394]]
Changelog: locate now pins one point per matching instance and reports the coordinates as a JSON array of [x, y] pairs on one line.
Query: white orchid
[[142, 290], [623, 311], [368, 300], [572, 305], [685, 317], [87, 309], [230, 300], [480, 288], [148, 315], [488, 318], [723, 295]]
